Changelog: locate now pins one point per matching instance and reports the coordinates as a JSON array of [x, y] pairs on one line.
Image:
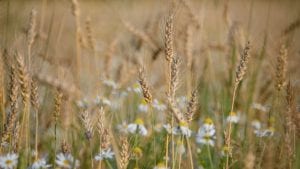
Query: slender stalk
[[190, 152], [210, 158]]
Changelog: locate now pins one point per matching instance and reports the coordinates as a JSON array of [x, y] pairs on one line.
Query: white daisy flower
[[143, 106], [136, 88], [256, 124], [83, 104], [260, 107], [40, 164], [226, 151], [137, 127], [110, 83], [105, 154], [158, 105], [206, 133], [168, 128], [233, 118], [183, 129], [123, 127], [106, 102], [208, 127], [269, 132], [9, 161], [66, 161], [205, 139]]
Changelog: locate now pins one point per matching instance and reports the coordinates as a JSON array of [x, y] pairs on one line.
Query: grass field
[[132, 84]]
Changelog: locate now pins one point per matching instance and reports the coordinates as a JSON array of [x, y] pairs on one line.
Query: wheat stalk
[[240, 72]]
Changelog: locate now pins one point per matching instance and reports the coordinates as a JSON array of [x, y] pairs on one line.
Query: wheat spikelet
[[124, 153], [100, 121], [191, 108], [291, 27], [32, 29], [144, 85], [90, 38], [242, 67], [88, 127], [57, 105], [23, 79], [34, 95], [105, 139], [13, 97], [281, 68], [65, 147], [16, 133], [79, 39], [169, 35]]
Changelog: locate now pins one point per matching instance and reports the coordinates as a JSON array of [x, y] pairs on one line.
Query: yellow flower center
[[8, 162], [226, 149], [183, 124], [272, 129], [66, 162], [208, 121], [272, 120], [138, 152], [139, 121], [232, 113], [144, 102], [136, 85], [160, 165]]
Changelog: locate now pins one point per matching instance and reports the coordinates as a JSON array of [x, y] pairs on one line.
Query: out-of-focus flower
[[66, 161], [233, 118], [40, 164], [158, 105], [183, 129], [105, 154], [206, 133], [83, 103], [123, 127], [143, 106], [110, 83], [137, 127], [260, 107], [9, 161]]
